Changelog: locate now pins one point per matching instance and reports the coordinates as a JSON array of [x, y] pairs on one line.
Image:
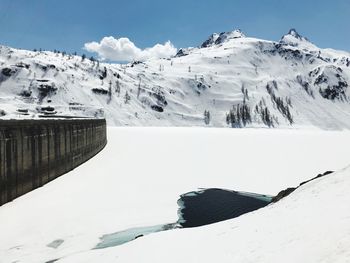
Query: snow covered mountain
[[228, 81]]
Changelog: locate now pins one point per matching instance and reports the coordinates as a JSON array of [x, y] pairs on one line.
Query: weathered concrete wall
[[34, 152]]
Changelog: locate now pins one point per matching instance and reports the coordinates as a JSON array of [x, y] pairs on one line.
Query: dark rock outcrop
[[331, 82], [289, 190], [99, 91], [182, 52], [8, 72], [157, 108], [210, 41]]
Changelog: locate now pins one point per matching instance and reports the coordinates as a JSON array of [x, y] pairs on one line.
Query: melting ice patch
[[56, 243], [119, 238], [196, 208]]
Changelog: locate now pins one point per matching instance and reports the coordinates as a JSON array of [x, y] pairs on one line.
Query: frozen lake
[[137, 179]]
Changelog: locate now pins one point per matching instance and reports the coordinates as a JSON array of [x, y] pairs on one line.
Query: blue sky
[[67, 25]]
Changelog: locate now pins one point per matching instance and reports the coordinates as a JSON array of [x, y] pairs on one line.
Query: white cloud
[[122, 49]]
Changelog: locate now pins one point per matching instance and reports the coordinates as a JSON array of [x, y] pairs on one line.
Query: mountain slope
[[229, 81]]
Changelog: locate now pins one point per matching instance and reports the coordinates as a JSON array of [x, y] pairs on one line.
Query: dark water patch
[[214, 205], [196, 209]]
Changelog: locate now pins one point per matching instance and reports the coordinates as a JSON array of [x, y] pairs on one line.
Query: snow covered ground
[[136, 180]]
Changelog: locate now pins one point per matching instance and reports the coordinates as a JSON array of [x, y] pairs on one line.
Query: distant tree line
[[239, 115], [281, 104]]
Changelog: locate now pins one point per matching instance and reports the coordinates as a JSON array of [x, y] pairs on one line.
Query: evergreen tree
[[117, 88], [139, 89], [127, 97], [206, 117], [109, 92]]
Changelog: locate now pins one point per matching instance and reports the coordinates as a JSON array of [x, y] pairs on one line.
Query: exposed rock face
[[182, 52], [293, 38], [331, 82], [318, 176], [289, 190], [283, 194], [210, 41], [225, 36], [157, 108], [8, 72], [217, 39], [292, 32]]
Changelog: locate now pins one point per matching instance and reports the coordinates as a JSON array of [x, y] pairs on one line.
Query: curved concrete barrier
[[34, 152]]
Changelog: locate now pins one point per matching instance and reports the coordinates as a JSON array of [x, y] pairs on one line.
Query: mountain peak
[[294, 33], [210, 41], [216, 39], [293, 38]]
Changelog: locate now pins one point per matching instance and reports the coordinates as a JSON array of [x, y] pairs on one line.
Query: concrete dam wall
[[34, 152]]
